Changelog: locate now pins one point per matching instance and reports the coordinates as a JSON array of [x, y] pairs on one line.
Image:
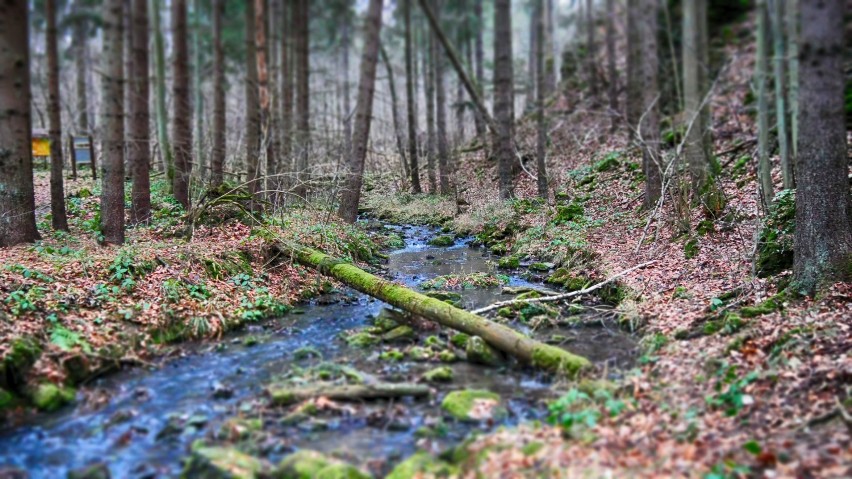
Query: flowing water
[[132, 430]]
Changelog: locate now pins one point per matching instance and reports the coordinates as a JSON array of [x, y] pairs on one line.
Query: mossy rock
[[307, 464], [14, 369], [608, 163], [499, 249], [592, 386], [556, 359], [362, 339], [460, 340], [480, 352], [559, 276], [50, 397], [447, 356], [399, 334], [92, 471], [473, 405], [393, 355], [419, 353], [386, 320], [506, 312], [509, 262], [529, 295], [541, 267], [434, 342], [775, 242], [442, 374], [222, 463], [6, 399], [442, 241], [422, 464], [445, 296], [690, 248], [568, 213]]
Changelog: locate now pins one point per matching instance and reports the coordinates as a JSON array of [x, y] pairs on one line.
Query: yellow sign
[[41, 147]]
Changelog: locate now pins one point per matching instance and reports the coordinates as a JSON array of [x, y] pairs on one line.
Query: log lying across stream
[[500, 337]]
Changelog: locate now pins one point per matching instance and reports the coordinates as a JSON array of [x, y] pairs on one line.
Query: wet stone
[[94, 471]]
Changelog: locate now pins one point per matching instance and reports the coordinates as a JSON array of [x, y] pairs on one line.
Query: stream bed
[[146, 420]]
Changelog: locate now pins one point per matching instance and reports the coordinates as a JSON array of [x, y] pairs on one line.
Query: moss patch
[[222, 462], [473, 404], [442, 374], [422, 464], [775, 242], [50, 397], [442, 241]]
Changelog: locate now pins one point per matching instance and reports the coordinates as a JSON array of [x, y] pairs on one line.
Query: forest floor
[[738, 376], [73, 309]]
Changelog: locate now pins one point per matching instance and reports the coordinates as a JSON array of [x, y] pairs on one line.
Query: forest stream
[[147, 419]]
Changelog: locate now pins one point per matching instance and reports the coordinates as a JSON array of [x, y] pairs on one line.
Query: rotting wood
[[284, 395]]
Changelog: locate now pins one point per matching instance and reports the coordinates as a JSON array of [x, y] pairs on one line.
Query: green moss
[[341, 470], [442, 241], [531, 448], [609, 162], [434, 342], [529, 295], [465, 281], [422, 464], [6, 399], [775, 242], [447, 356], [568, 213], [690, 248], [418, 353], [361, 340], [461, 404], [439, 374], [705, 227], [392, 355], [541, 266], [460, 340], [499, 249], [449, 297], [509, 262], [399, 334], [386, 320], [593, 386], [480, 352], [302, 464], [50, 397], [24, 352], [557, 359], [506, 312]]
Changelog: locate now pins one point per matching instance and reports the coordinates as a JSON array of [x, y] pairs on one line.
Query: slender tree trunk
[[198, 93], [252, 102], [287, 87], [649, 127], [634, 66], [591, 50], [112, 124], [410, 99], [761, 69], [695, 64], [479, 61], [673, 53], [823, 237], [503, 95], [273, 152], [345, 46], [265, 149], [17, 198], [300, 21], [776, 15], [397, 131], [531, 63], [612, 84], [57, 190], [541, 120], [363, 113], [182, 113], [549, 48], [792, 26], [139, 132], [160, 95], [217, 161], [441, 119], [80, 46], [429, 68]]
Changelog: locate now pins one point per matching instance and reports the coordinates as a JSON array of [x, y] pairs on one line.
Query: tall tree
[[363, 113], [217, 160], [503, 95], [541, 120], [112, 124], [160, 94], [287, 73], [612, 81], [634, 66], [252, 104], [345, 47], [79, 42], [17, 198], [441, 117], [57, 190], [649, 126], [780, 62], [301, 20], [264, 102], [591, 50], [139, 149], [479, 60], [410, 100], [197, 92], [397, 130], [792, 30], [761, 70], [181, 111], [823, 237], [429, 67], [695, 85]]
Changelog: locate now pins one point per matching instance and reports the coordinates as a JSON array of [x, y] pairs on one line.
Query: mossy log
[[500, 337], [285, 395]]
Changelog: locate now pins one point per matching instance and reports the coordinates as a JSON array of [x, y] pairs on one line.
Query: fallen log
[[284, 395], [501, 337]]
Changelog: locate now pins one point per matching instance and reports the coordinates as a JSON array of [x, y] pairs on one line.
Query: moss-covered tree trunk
[[501, 337]]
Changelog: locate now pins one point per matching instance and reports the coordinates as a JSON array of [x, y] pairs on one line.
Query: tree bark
[[200, 158], [182, 113], [266, 153], [410, 99], [252, 104], [503, 96], [139, 150], [287, 93], [612, 83], [160, 96], [57, 190], [541, 120], [345, 47], [530, 100], [695, 65], [649, 127], [441, 118], [776, 15], [17, 198], [634, 67], [80, 46], [500, 337], [792, 30], [112, 124], [217, 161], [429, 68], [363, 113], [823, 237], [761, 69], [300, 24], [479, 60], [397, 131], [591, 50]]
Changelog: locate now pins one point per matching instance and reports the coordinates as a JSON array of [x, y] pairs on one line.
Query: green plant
[[242, 280], [28, 273], [730, 392], [572, 410], [66, 339], [25, 299]]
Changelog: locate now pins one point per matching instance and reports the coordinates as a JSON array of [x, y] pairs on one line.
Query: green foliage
[[690, 248], [568, 213], [573, 409], [730, 390], [125, 270], [66, 339], [775, 243], [25, 299], [609, 162], [465, 281]]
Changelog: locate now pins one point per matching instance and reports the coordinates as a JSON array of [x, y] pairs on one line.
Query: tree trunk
[[217, 160], [266, 155], [79, 43], [792, 26], [549, 48], [112, 124], [503, 95], [497, 335], [441, 118], [345, 46], [649, 127], [410, 100], [479, 60], [541, 120], [612, 84], [397, 131], [429, 68], [17, 198], [761, 68], [57, 190], [160, 94], [287, 72], [139, 150], [634, 66], [252, 102], [823, 237], [182, 113], [533, 58], [695, 65], [363, 113], [300, 24], [776, 15], [591, 51], [198, 94]]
